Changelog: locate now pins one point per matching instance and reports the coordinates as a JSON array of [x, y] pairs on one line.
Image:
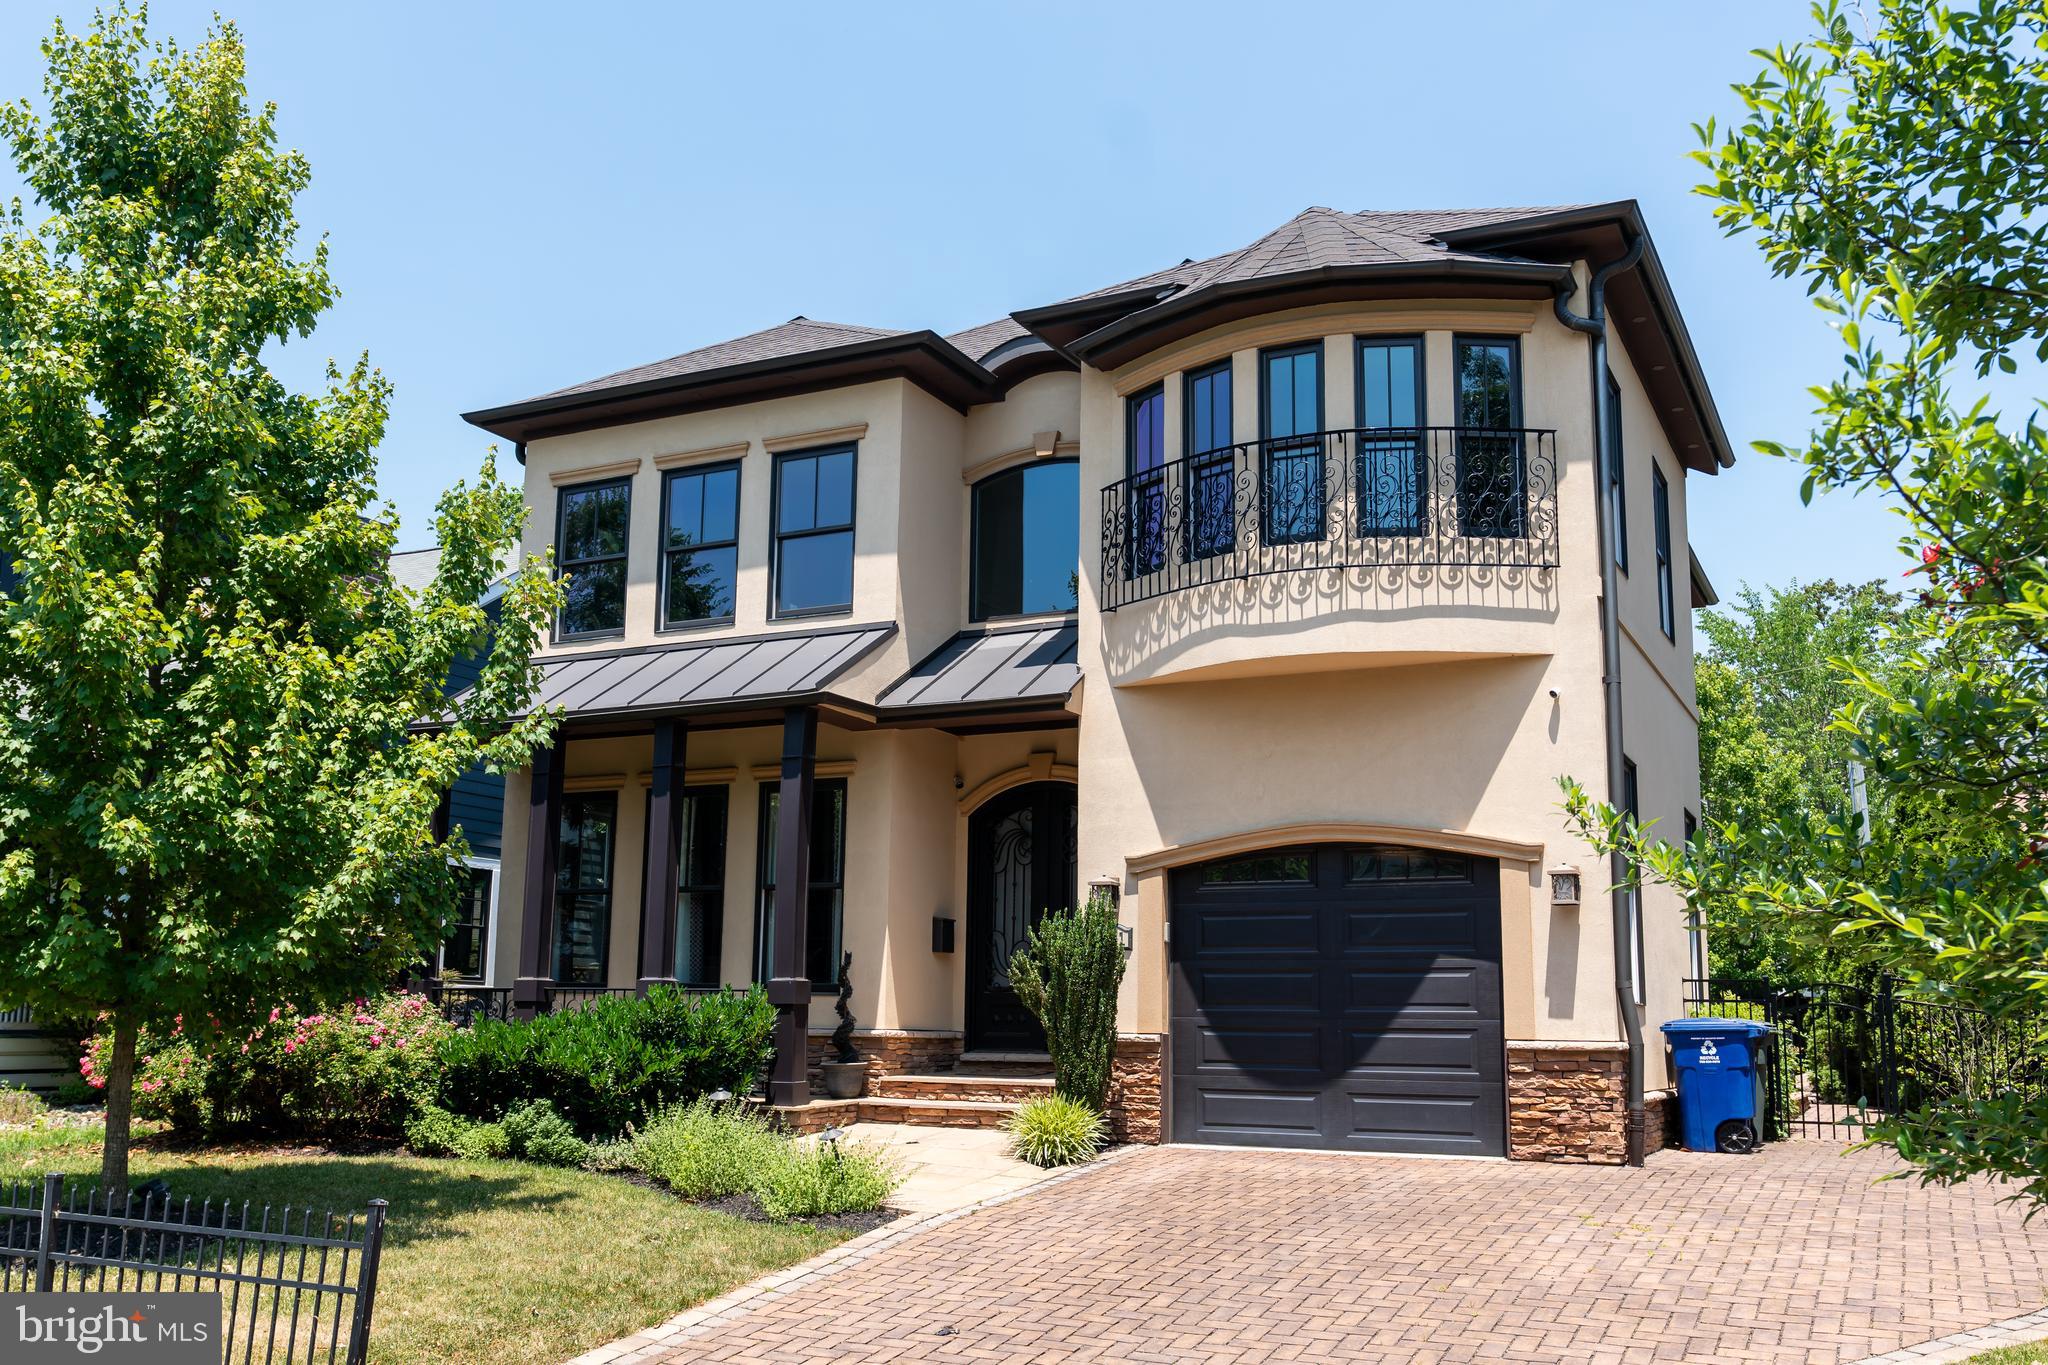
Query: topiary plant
[[1067, 975]]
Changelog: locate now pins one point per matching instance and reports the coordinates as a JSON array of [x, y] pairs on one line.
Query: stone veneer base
[[1569, 1102]]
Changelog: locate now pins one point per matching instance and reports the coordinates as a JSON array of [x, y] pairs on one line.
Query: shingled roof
[[796, 337], [1318, 252]]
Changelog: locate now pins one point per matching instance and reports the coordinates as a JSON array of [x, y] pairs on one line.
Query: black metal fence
[[297, 1287], [1847, 1054], [464, 1005], [1481, 501]]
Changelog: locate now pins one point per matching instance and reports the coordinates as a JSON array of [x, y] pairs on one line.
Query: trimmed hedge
[[612, 1061]]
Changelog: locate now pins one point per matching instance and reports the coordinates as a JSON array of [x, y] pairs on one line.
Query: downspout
[[1594, 325]]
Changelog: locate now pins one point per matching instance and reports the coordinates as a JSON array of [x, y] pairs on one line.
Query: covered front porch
[[720, 841]]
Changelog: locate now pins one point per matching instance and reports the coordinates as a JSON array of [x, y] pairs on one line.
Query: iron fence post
[[366, 1282], [1887, 1048], [46, 1267]]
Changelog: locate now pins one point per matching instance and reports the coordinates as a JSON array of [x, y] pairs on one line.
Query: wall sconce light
[[942, 933], [1564, 885], [1126, 938], [1111, 887]]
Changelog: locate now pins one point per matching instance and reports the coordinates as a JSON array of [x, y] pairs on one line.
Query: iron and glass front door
[[1021, 864]]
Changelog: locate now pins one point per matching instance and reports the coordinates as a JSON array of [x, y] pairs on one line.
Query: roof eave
[[1103, 346], [957, 381]]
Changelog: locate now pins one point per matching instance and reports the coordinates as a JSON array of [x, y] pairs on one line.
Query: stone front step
[[818, 1115], [957, 1085], [1036, 1064]]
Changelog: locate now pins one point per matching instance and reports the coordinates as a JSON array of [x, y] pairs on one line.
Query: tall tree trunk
[[120, 1113]]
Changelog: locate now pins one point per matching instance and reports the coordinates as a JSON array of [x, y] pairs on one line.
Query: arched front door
[[1020, 864]]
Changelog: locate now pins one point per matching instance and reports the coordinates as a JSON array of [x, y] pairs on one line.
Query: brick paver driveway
[[1185, 1254]]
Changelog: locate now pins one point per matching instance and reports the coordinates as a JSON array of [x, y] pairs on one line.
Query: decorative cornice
[[591, 473], [827, 767], [853, 431], [1333, 832], [1038, 767], [732, 450], [696, 777], [594, 782], [1011, 459]]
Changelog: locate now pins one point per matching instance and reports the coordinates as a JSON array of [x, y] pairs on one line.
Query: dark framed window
[[466, 951], [826, 901], [1211, 468], [813, 566], [1617, 477], [1393, 470], [1400, 863], [584, 866], [1492, 466], [590, 551], [1292, 483], [1145, 467], [700, 544], [700, 885], [1660, 516], [1027, 541], [1692, 827], [1289, 865]]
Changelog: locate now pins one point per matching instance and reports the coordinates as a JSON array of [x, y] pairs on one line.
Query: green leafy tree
[[1898, 164], [1768, 692], [1067, 975], [213, 798]]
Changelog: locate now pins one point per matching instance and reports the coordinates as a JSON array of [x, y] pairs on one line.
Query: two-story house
[[1270, 593]]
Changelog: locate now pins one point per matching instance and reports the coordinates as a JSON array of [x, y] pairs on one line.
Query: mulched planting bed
[[745, 1206]]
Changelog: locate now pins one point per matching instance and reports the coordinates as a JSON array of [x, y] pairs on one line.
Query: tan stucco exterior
[[1416, 708]]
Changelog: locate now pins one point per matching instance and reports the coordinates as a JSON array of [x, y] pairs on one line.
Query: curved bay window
[[1145, 463], [1292, 483], [1393, 466], [1027, 541], [1492, 464], [1211, 463]]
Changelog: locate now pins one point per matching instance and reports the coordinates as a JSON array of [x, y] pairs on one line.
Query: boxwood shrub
[[612, 1061]]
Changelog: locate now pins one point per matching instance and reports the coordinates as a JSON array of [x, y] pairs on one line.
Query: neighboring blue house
[[476, 806]]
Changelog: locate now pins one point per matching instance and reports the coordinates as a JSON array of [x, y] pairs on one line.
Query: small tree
[[213, 798], [1897, 161], [1067, 975]]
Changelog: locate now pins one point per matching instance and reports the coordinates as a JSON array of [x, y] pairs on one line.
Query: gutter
[[1626, 987]]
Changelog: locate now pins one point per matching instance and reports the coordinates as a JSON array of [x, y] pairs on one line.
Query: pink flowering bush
[[353, 1072]]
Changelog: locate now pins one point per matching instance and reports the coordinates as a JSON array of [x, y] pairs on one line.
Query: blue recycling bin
[[1720, 1082]]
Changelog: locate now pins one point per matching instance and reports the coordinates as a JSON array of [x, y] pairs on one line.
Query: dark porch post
[[664, 847], [789, 981], [537, 920]]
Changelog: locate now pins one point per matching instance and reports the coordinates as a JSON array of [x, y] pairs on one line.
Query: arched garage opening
[[1341, 995]]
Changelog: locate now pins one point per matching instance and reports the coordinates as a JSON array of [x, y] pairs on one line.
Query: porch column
[[664, 849], [537, 918], [789, 982]]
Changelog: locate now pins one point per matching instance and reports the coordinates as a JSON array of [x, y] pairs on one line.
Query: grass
[[494, 1262], [2032, 1353]]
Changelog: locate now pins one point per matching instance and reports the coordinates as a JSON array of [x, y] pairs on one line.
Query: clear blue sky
[[525, 195]]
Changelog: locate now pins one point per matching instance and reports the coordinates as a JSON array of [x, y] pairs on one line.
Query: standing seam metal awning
[[985, 668], [708, 674]]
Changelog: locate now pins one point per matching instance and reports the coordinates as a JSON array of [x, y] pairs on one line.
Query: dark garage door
[[1341, 996]]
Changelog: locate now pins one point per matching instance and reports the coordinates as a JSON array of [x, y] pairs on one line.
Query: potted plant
[[846, 1074]]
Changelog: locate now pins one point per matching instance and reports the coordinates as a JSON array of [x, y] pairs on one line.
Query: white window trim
[[496, 868]]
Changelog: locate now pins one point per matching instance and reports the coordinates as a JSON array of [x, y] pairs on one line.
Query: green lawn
[[491, 1262], [2033, 1353]]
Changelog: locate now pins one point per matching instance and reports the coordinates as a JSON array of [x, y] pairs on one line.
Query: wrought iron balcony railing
[[1476, 498]]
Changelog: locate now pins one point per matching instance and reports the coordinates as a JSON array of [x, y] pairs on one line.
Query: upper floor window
[[1211, 468], [1660, 515], [1145, 462], [1492, 465], [1027, 540], [590, 545], [700, 544], [1617, 478], [813, 566], [1291, 479], [1392, 473]]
